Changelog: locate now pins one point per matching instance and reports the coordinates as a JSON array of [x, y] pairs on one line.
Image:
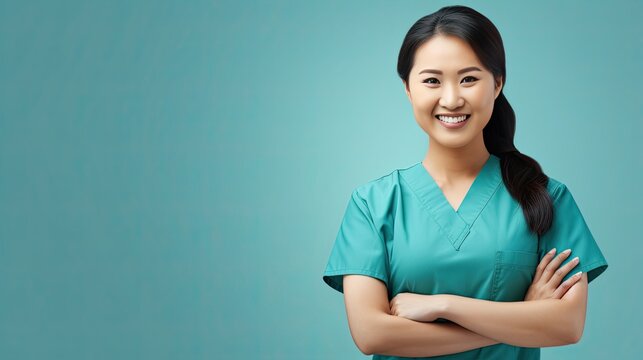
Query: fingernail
[[552, 251], [578, 273], [567, 251], [575, 259]]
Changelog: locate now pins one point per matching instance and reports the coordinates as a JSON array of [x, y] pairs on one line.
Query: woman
[[435, 259]]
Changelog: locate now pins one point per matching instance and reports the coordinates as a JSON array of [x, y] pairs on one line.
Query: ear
[[499, 84], [406, 89]]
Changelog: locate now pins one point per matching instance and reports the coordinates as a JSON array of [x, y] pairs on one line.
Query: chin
[[452, 144], [451, 140]]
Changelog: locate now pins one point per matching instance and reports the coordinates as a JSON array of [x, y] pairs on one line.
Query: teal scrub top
[[400, 229]]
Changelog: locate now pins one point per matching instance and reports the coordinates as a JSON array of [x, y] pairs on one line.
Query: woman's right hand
[[546, 283]]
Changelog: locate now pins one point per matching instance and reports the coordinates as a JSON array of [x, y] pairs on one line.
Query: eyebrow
[[467, 69]]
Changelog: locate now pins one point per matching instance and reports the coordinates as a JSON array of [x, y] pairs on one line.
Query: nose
[[450, 98]]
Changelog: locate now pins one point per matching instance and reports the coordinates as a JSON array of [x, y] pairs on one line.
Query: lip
[[453, 115], [454, 126]]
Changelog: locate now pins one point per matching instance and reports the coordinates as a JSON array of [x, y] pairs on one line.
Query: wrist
[[447, 306]]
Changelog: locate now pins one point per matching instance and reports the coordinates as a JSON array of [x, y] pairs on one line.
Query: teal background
[[173, 173]]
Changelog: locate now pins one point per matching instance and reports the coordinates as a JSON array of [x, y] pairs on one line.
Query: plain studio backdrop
[[173, 173]]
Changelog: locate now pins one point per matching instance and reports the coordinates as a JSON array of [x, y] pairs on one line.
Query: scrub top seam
[[329, 274], [390, 173], [336, 271], [598, 262], [379, 236], [485, 204], [425, 208], [556, 197], [370, 216]]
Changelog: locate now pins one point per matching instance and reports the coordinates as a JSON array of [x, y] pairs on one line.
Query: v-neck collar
[[455, 224]]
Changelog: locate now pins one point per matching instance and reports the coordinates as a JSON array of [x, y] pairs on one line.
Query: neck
[[450, 165]]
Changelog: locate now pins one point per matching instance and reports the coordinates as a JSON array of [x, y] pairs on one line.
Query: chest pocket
[[513, 273]]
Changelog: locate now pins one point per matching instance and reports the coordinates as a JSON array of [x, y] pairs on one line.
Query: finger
[[543, 264], [562, 289], [554, 264], [562, 272]]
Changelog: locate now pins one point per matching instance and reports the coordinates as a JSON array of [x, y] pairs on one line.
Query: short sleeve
[[358, 247], [570, 231]]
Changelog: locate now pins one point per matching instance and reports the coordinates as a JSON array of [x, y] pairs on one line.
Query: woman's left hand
[[418, 307]]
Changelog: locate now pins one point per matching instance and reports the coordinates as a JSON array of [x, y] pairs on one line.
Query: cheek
[[425, 109], [424, 113], [424, 103], [483, 100]]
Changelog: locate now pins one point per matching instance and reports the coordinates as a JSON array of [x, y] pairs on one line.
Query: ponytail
[[521, 174]]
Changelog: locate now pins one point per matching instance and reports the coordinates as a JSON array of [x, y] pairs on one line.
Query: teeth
[[452, 120]]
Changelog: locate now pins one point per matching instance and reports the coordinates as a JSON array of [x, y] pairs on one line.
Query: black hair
[[521, 174]]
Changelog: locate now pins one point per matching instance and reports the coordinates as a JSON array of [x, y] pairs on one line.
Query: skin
[[508, 323], [454, 156], [551, 314]]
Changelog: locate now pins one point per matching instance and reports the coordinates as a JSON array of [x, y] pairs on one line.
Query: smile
[[456, 122], [453, 120]]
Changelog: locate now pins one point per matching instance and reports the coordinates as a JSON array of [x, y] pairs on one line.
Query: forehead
[[446, 53]]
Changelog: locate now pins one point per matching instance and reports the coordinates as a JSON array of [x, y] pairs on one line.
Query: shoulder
[[557, 188], [382, 188], [554, 185]]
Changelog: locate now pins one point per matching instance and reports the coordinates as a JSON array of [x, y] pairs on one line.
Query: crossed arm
[[475, 323]]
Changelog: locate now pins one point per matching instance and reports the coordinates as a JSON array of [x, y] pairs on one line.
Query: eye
[[427, 81], [433, 80], [470, 77]]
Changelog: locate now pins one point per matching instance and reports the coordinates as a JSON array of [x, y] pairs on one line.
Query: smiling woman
[[446, 76], [450, 257]]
